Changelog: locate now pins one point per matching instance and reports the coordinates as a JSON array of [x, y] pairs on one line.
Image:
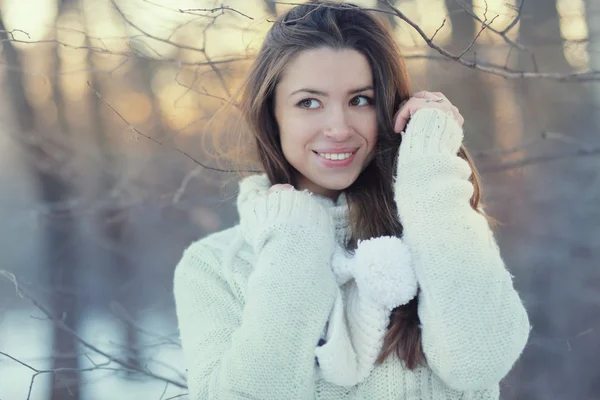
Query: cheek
[[369, 129], [294, 138]]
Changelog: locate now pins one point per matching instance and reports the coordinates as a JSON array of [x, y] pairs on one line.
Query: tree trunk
[[59, 228]]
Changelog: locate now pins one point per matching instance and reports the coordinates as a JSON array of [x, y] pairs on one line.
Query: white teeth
[[335, 156]]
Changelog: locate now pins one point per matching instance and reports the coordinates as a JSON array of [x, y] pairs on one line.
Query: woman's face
[[326, 116]]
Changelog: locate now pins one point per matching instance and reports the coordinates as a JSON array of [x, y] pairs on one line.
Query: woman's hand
[[422, 100], [266, 209]]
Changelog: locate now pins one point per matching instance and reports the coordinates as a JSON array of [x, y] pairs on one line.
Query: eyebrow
[[320, 93]]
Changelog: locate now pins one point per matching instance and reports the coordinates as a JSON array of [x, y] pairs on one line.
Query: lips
[[336, 163], [336, 156], [337, 150]]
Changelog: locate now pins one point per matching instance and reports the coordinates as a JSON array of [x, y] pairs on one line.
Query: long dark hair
[[372, 210]]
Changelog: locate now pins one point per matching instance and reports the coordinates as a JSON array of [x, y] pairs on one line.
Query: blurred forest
[[102, 126]]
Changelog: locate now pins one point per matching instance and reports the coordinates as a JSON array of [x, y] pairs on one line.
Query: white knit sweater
[[252, 301]]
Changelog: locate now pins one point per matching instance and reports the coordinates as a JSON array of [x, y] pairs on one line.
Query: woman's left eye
[[361, 101]]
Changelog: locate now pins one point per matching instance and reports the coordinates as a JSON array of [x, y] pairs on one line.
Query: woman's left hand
[[422, 100]]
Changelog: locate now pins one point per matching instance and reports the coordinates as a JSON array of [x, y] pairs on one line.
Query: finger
[[280, 186], [440, 95], [402, 118], [400, 107], [406, 112], [456, 114], [422, 94]]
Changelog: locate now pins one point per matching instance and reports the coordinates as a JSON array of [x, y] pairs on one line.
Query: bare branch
[[137, 131], [515, 20], [21, 292], [492, 69], [439, 29], [480, 65], [503, 72], [151, 36], [212, 10], [179, 193], [504, 33], [122, 314], [484, 25]]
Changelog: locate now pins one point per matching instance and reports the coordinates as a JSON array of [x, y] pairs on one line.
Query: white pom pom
[[382, 271]]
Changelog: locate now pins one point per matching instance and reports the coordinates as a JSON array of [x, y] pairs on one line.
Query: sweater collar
[[258, 185]]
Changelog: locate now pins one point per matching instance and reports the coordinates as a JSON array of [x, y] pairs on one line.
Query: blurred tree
[[45, 151], [116, 235], [271, 6], [463, 25]]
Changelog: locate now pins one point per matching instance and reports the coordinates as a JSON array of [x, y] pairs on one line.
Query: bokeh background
[[103, 114]]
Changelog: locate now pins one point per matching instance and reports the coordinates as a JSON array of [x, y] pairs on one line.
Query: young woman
[[363, 266]]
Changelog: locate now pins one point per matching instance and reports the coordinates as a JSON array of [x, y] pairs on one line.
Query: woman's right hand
[[279, 187], [267, 209]]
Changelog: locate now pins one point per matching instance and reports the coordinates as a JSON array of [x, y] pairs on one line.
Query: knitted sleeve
[[474, 325], [264, 349]]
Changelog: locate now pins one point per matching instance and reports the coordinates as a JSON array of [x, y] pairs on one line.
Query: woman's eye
[[309, 104], [361, 101]]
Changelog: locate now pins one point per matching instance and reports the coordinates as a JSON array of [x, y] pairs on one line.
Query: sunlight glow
[[574, 31], [71, 32], [135, 107], [235, 35], [29, 26], [179, 105], [105, 31], [502, 12], [430, 16]]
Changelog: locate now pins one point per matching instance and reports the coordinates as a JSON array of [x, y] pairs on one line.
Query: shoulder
[[208, 252], [215, 243]]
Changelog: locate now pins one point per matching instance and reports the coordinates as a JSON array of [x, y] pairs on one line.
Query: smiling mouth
[[335, 156]]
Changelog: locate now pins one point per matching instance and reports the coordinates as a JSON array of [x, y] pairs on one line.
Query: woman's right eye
[[309, 103]]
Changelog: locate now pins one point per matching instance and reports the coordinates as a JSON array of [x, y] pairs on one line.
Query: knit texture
[[383, 279], [252, 301]]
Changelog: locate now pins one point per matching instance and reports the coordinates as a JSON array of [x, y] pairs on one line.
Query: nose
[[338, 127]]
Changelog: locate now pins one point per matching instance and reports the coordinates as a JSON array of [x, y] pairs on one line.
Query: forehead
[[326, 68]]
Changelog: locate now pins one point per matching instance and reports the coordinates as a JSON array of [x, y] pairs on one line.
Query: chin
[[336, 182]]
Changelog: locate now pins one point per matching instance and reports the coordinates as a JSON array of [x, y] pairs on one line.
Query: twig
[[137, 131], [483, 27], [212, 10], [121, 313], [151, 36], [504, 33], [164, 391], [62, 326], [438, 29]]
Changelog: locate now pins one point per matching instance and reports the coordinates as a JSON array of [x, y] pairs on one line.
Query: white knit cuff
[[260, 212], [430, 131]]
